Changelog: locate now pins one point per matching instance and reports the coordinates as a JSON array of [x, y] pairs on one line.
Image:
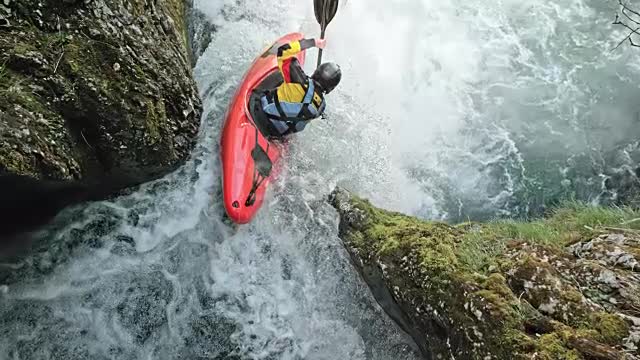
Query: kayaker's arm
[[286, 56]]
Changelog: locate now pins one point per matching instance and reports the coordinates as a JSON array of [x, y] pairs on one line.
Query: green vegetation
[[566, 224], [611, 328], [505, 288], [552, 347]]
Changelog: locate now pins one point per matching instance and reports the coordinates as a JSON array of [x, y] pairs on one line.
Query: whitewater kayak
[[250, 156]]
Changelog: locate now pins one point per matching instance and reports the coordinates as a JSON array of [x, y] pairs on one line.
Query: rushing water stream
[[448, 109]]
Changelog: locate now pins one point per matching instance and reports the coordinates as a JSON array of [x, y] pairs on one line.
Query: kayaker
[[300, 99]]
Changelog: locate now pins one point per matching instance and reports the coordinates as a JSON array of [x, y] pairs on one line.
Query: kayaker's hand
[[320, 43]]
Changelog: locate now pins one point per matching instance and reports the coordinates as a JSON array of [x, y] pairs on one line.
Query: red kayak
[[249, 156]]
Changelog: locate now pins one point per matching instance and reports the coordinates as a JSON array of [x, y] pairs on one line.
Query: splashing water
[[489, 109], [446, 110]]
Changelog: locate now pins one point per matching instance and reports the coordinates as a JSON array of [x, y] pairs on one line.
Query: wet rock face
[[94, 87], [534, 301], [608, 272], [200, 31]]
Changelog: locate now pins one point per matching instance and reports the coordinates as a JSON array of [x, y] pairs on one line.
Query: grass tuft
[[567, 223]]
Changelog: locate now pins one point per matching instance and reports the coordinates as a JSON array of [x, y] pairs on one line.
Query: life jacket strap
[[283, 116], [304, 115]]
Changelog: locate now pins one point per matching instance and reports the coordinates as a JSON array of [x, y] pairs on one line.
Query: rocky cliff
[[95, 87], [566, 287]]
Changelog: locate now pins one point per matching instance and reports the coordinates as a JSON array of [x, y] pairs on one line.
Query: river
[[448, 110]]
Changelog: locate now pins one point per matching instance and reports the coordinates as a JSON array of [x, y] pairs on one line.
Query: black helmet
[[328, 76]]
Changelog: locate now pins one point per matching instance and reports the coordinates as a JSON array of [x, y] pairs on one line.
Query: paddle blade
[[325, 11], [318, 7]]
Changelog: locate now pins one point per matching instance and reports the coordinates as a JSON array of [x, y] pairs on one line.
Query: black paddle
[[325, 12]]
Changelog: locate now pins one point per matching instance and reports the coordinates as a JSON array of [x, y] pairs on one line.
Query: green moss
[[137, 7], [138, 71], [392, 231], [177, 11], [53, 42], [155, 116], [519, 341], [74, 57], [611, 327], [571, 296], [364, 206], [14, 93], [93, 60], [434, 247], [357, 238], [14, 162], [498, 284], [552, 347], [588, 334], [500, 308], [23, 47]]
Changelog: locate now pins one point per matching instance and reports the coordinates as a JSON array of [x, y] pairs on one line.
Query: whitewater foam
[[447, 110]]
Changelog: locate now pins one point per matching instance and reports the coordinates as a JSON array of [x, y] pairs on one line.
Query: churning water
[[448, 109]]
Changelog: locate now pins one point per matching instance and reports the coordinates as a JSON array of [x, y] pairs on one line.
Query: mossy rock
[[96, 88], [525, 301]]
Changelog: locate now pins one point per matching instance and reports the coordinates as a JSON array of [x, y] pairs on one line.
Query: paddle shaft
[[320, 50], [325, 11]]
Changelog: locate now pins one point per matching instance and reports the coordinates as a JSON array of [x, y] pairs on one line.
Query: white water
[[447, 108], [487, 104]]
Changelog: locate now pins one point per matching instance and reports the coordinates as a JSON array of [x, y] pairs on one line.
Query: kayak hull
[[240, 137]]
